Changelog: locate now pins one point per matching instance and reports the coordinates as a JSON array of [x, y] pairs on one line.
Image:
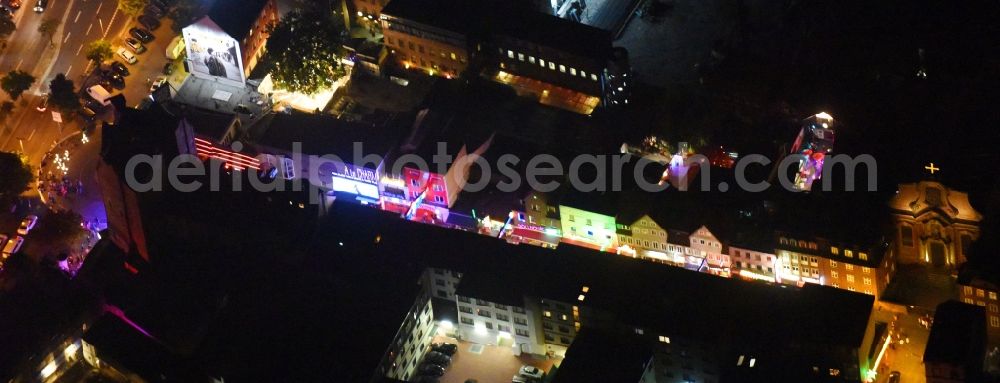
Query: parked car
[[530, 372], [157, 84], [116, 80], [430, 369], [150, 22], [94, 105], [438, 358], [127, 56], [155, 10], [168, 68], [44, 104], [13, 246], [135, 45], [27, 224], [445, 348], [88, 114], [141, 34], [119, 68], [893, 377]]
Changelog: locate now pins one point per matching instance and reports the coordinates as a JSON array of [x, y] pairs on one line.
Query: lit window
[[850, 278], [993, 295], [833, 274], [520, 56], [585, 289], [510, 53], [562, 68], [980, 293], [967, 290], [665, 339], [572, 71], [593, 77], [548, 314], [581, 297], [455, 57], [995, 321], [834, 250], [753, 361], [531, 59], [739, 362], [833, 264], [541, 62], [863, 256], [552, 65], [868, 281], [583, 74], [848, 254], [639, 331], [849, 266]]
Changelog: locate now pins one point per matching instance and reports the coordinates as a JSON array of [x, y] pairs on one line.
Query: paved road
[[81, 21]]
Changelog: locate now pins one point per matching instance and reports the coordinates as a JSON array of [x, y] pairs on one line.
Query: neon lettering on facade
[[232, 159]]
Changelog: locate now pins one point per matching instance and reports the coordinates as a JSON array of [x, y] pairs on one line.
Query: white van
[[126, 55], [99, 94]]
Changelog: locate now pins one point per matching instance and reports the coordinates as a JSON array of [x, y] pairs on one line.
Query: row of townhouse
[[534, 312]]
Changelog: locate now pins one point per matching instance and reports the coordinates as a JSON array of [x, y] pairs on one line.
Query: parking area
[[485, 363]]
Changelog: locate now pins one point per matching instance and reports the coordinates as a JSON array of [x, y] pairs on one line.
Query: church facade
[[934, 225]]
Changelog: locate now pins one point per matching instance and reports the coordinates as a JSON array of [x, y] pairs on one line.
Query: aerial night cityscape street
[[493, 191]]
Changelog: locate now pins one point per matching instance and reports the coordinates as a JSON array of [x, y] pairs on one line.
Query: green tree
[[16, 177], [58, 232], [184, 13], [303, 51], [7, 25], [63, 96], [99, 50], [132, 8], [48, 27], [16, 82]]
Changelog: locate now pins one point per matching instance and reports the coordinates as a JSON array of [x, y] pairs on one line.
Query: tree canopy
[[303, 51], [184, 13], [57, 232], [99, 50], [7, 25], [63, 94], [16, 177], [132, 8], [48, 27], [16, 82]]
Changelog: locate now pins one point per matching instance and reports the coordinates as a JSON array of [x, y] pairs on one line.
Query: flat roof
[[483, 18], [597, 355], [321, 134], [236, 17]]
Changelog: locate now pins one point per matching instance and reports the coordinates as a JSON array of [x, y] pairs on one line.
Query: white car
[[531, 372], [28, 224], [13, 246], [157, 84]]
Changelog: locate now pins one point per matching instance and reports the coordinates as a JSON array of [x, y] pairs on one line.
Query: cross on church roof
[[932, 168]]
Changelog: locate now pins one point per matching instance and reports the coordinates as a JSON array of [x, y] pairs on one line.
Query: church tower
[[934, 225]]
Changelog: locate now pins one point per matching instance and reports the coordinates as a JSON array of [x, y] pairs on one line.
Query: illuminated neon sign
[[232, 159]]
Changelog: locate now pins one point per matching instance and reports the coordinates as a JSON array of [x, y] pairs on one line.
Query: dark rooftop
[[958, 335], [597, 355], [482, 18], [236, 17], [320, 134]]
